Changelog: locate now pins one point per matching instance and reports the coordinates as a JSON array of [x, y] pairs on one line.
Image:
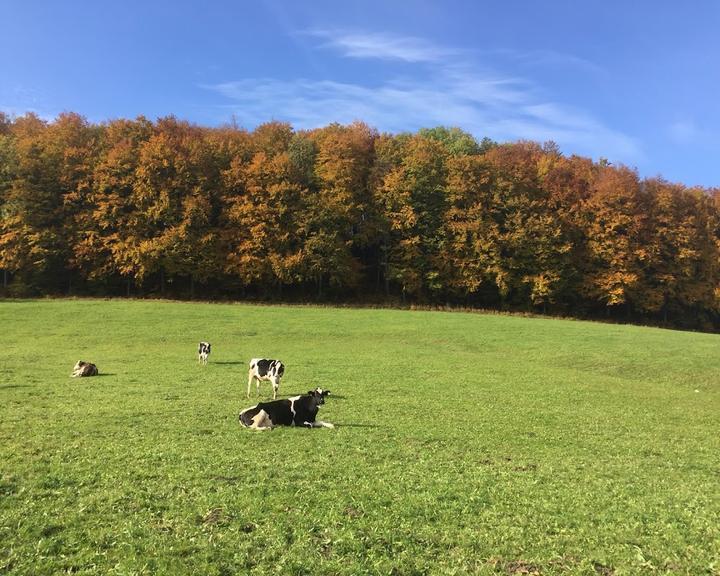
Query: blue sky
[[635, 82]]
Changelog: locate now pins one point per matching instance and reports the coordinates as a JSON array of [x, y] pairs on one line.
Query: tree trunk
[[5, 281], [385, 270]]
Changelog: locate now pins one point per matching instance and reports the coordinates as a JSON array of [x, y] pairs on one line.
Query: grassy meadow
[[464, 444]]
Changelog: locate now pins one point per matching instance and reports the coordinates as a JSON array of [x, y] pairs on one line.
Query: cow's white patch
[[292, 407], [261, 421]]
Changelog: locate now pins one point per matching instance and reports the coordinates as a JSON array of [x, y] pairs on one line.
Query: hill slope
[[465, 443]]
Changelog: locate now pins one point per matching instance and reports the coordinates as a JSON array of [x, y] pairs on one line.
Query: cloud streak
[[19, 100], [482, 102], [684, 132], [382, 46]]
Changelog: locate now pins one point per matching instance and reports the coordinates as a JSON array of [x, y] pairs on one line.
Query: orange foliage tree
[[341, 212]]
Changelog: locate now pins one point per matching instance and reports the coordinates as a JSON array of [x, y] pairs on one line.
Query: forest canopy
[[346, 214]]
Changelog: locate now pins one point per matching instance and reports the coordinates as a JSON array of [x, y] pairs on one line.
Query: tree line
[[345, 213]]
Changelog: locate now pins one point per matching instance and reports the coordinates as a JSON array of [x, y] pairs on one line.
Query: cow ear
[[311, 392], [326, 392]]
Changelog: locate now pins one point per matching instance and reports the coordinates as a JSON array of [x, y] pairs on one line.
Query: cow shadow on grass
[[332, 396]]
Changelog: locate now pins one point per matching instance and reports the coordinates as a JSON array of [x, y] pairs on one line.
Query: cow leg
[[262, 422], [262, 426], [250, 378], [318, 424], [275, 385]]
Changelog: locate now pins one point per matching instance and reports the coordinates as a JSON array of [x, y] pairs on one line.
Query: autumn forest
[[346, 214]]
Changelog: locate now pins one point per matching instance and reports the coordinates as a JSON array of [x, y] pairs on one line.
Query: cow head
[[319, 395]]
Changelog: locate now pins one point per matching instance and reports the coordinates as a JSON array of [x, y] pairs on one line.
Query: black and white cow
[[203, 352], [294, 411], [265, 369], [82, 369]]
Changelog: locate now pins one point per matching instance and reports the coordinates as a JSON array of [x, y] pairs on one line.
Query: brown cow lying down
[[84, 369]]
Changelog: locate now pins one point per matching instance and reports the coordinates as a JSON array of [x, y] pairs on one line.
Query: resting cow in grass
[[84, 369], [265, 369], [295, 411], [203, 352]]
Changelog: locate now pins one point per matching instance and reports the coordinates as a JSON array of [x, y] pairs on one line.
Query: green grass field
[[465, 444]]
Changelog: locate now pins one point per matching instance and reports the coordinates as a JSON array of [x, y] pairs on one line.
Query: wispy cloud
[[551, 59], [448, 91], [19, 100], [684, 132], [382, 46]]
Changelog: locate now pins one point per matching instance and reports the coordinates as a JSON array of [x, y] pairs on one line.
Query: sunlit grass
[[465, 443]]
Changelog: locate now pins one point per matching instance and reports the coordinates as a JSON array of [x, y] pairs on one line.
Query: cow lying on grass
[[295, 411], [264, 369], [84, 369]]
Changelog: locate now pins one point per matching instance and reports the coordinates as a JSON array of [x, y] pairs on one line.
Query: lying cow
[[203, 352], [295, 411], [84, 369], [264, 369]]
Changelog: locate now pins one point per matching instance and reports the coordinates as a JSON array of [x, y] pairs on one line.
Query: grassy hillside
[[465, 443]]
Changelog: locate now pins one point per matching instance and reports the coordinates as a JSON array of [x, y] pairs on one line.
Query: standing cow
[[265, 369], [203, 352]]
